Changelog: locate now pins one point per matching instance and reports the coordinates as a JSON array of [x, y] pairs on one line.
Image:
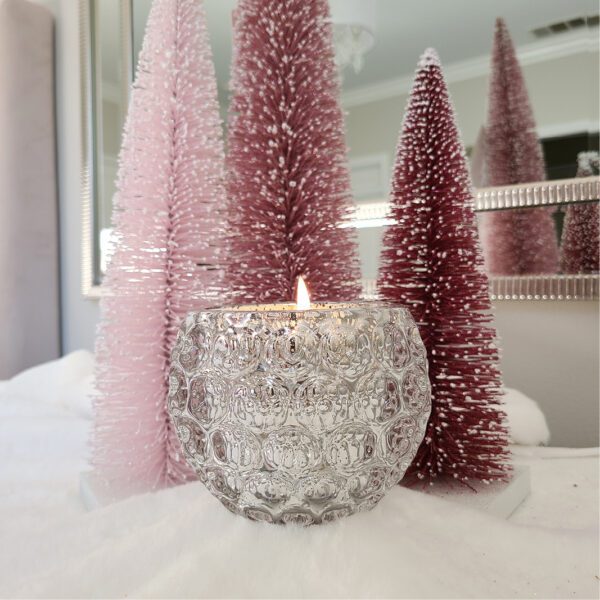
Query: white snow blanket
[[182, 543]]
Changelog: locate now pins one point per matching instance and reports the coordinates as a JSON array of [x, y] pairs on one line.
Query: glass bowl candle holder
[[300, 416]]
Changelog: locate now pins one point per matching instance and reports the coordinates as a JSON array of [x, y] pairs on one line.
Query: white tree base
[[499, 499], [95, 493]]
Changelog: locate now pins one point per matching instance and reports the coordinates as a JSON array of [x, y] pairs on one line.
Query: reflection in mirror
[[518, 242], [139, 13], [555, 44], [578, 226], [105, 74], [536, 241], [550, 68], [111, 95], [527, 252], [116, 29]]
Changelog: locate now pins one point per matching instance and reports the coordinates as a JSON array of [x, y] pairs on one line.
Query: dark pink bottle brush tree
[[431, 262], [288, 183], [517, 241]]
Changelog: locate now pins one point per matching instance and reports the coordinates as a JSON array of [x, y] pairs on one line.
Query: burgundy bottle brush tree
[[431, 262], [580, 246], [517, 241], [167, 222], [288, 184]]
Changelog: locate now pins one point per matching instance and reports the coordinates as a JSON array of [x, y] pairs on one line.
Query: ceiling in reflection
[[459, 29]]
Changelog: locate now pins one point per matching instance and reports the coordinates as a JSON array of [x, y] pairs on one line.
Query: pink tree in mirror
[[516, 241], [580, 248]]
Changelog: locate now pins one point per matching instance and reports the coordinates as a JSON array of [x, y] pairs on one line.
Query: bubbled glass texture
[[300, 417]]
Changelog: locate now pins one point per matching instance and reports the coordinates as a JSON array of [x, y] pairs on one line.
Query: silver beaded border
[[542, 193]]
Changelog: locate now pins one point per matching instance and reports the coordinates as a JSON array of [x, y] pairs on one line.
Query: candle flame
[[302, 297]]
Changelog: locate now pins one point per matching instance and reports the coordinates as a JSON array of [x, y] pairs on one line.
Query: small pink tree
[[580, 249], [167, 223], [431, 262], [518, 241], [288, 185]]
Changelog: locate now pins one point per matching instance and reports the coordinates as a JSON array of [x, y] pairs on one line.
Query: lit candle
[[302, 296], [302, 419]]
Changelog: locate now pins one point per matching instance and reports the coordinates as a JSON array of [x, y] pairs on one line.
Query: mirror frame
[[90, 255], [543, 193]]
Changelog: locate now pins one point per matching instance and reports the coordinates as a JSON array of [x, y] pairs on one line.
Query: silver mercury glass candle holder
[[299, 416]]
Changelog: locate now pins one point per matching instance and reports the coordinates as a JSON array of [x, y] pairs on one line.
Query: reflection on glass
[[140, 12], [111, 79], [524, 241], [109, 109], [580, 235], [559, 73], [520, 241], [507, 152]]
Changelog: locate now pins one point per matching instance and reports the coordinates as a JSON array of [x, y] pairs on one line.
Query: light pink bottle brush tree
[[517, 241], [167, 225]]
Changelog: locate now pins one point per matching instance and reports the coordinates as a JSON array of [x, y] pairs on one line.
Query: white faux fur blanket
[[182, 543]]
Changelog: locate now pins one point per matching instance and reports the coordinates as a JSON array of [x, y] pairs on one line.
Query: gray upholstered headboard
[[29, 273]]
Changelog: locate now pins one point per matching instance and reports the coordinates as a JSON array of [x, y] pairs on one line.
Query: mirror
[[378, 43], [556, 45], [105, 76]]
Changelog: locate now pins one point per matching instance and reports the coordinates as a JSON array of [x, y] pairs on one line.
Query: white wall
[[550, 352]]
